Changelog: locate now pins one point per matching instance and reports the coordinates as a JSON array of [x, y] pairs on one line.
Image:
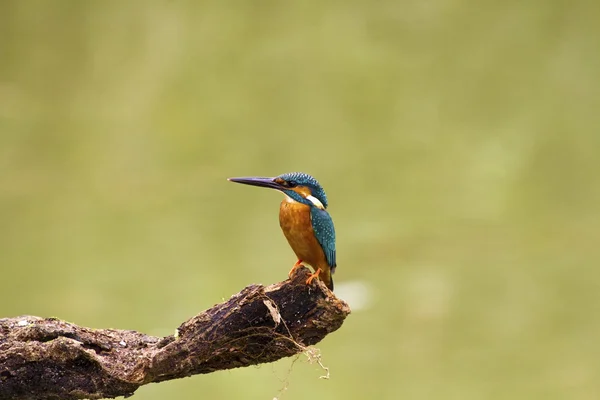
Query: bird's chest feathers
[[295, 221], [294, 217]]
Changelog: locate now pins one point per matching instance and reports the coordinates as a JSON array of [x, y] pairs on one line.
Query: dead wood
[[47, 358]]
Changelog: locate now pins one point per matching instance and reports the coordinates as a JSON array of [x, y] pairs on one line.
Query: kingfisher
[[304, 220]]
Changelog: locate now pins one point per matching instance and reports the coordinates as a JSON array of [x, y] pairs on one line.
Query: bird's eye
[[286, 184]]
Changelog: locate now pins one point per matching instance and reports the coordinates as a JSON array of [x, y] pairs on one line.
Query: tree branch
[[53, 359]]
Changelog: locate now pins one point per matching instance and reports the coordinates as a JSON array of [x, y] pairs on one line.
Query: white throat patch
[[315, 201]]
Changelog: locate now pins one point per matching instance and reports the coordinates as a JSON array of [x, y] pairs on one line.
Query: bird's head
[[298, 186]]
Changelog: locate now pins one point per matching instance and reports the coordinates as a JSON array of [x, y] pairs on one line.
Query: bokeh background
[[457, 141]]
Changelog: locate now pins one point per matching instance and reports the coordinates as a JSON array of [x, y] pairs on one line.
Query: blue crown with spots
[[302, 179]]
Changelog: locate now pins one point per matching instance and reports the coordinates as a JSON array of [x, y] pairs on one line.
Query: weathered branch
[[53, 359]]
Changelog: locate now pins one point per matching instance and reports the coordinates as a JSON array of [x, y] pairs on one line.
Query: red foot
[[313, 276], [294, 268]]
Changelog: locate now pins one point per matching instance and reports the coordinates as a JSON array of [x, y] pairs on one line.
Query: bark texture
[[47, 358]]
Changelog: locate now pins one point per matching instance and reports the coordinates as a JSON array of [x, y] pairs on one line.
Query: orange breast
[[294, 219]]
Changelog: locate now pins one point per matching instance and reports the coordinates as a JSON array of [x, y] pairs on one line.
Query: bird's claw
[[294, 268], [313, 276]]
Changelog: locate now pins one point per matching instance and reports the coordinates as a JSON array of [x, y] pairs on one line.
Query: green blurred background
[[457, 142]]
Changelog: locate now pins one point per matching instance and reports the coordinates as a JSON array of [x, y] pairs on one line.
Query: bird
[[304, 220]]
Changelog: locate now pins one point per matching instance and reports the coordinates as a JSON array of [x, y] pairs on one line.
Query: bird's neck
[[309, 200]]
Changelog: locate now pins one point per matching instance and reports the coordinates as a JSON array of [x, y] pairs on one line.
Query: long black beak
[[258, 181]]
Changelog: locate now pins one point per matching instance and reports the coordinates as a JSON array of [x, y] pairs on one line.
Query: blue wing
[[325, 232]]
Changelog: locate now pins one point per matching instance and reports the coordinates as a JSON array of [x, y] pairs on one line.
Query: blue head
[[299, 186]]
